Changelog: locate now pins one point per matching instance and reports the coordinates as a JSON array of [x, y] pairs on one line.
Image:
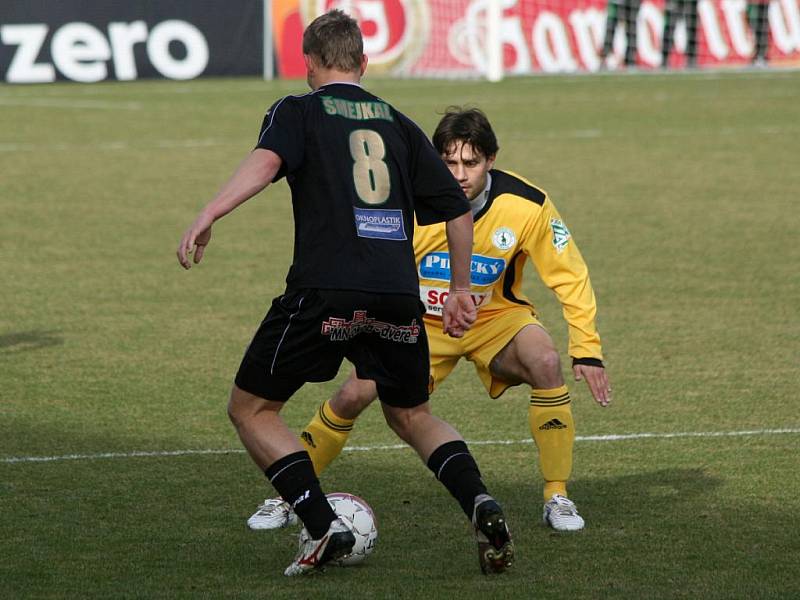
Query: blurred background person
[[757, 16], [625, 12], [673, 11]]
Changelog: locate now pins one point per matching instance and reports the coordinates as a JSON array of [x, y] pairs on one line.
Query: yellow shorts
[[490, 334]]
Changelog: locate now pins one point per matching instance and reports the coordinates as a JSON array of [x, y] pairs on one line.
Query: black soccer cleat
[[495, 548]]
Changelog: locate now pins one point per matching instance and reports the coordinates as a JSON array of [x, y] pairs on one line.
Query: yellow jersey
[[518, 222]]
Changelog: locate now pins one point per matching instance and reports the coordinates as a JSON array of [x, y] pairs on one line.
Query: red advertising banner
[[429, 38]]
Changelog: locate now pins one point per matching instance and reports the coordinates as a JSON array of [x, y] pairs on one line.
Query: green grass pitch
[[681, 192]]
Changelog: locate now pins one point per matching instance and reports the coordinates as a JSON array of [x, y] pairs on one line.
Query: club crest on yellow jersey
[[503, 238]]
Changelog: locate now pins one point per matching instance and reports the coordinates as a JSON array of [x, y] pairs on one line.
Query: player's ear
[[364, 61], [490, 161]]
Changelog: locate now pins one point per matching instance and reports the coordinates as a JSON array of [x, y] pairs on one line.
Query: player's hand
[[458, 314], [597, 380], [195, 240]]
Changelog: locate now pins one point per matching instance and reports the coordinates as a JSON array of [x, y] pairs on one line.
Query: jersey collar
[[327, 83], [480, 200]]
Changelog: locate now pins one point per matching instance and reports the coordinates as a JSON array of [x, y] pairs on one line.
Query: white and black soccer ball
[[358, 515]]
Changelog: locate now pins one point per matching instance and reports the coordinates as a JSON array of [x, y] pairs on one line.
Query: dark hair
[[466, 125], [334, 40]]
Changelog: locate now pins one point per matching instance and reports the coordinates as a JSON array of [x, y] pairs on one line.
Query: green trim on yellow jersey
[[518, 223]]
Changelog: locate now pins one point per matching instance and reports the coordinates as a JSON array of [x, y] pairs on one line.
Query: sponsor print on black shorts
[[339, 329]]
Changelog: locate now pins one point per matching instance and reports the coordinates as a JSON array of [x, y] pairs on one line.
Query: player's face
[[469, 167]]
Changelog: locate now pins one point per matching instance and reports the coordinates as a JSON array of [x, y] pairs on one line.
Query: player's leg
[[326, 434], [446, 454], [279, 454], [611, 26], [628, 14], [400, 366], [761, 32], [261, 388], [670, 17], [531, 357], [324, 438], [690, 14]]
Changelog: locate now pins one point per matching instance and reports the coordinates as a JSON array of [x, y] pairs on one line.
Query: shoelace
[[268, 510], [565, 508]]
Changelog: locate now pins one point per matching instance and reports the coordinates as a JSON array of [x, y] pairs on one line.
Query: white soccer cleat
[[337, 543], [273, 514], [560, 514]]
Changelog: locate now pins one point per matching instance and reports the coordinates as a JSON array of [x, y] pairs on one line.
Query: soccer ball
[[358, 515]]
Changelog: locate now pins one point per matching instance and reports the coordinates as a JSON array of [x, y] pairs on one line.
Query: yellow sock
[[553, 430], [325, 436]]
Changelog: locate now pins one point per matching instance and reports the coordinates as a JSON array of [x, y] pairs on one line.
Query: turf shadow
[[24, 341]]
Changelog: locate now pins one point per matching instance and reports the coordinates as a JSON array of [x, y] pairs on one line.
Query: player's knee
[[234, 412], [352, 398], [404, 422], [550, 362], [545, 369], [399, 422], [237, 409], [243, 406]]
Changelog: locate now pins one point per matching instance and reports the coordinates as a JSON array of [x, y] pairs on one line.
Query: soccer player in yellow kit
[[514, 222]]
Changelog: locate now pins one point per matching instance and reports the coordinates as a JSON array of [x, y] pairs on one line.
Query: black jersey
[[358, 170]]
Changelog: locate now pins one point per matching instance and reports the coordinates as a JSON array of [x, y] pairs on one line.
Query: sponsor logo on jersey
[[484, 270], [380, 224], [504, 238], [340, 330], [434, 298], [561, 235]]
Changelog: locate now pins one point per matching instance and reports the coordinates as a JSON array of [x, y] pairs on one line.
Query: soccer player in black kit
[[359, 171]]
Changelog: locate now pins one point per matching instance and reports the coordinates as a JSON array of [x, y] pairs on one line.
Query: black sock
[[454, 466], [294, 479]]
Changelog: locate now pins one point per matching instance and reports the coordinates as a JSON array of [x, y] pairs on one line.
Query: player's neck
[[324, 77]]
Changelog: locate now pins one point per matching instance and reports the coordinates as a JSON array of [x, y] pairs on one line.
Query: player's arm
[[437, 198], [562, 268], [255, 173], [459, 312]]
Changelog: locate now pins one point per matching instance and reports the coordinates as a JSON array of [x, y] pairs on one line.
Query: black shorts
[[307, 333]]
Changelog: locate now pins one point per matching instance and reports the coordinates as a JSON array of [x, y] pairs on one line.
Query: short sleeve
[[282, 131]]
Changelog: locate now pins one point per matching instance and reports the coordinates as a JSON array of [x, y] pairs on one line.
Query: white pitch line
[[580, 438]]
